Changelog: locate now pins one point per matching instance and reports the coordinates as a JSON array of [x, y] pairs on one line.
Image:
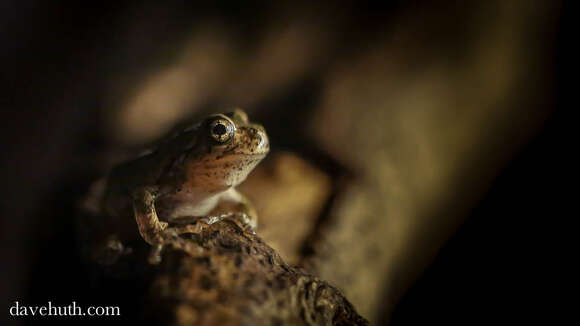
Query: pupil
[[219, 129]]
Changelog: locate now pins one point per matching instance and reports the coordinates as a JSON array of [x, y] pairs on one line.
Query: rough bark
[[231, 277]]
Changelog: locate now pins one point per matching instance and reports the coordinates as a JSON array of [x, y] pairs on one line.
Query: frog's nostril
[[258, 137], [261, 137]]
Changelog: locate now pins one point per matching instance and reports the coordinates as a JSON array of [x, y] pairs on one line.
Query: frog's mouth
[[234, 156]]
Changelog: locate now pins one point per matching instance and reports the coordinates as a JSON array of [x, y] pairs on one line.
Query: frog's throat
[[222, 174]]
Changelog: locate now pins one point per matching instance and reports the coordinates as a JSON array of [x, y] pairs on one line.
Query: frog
[[187, 183]]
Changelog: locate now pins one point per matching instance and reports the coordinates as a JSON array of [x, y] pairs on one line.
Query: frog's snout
[[260, 141]]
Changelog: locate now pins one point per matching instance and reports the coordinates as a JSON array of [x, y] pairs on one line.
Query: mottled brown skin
[[186, 184]]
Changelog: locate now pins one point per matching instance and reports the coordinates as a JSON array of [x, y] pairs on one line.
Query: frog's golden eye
[[222, 130]]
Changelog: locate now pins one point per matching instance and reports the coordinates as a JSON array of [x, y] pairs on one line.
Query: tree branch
[[233, 278]]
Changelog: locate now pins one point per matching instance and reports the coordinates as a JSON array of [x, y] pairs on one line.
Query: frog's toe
[[110, 252], [242, 220]]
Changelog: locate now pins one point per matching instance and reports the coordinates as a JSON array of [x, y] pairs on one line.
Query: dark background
[[55, 60], [500, 265], [506, 263]]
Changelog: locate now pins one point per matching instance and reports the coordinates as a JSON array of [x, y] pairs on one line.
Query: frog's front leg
[[231, 205], [150, 228], [156, 232], [235, 206]]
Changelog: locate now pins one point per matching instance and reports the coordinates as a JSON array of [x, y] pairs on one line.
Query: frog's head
[[227, 148]]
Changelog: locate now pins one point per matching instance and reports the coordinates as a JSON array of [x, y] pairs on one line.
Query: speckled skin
[[188, 182]]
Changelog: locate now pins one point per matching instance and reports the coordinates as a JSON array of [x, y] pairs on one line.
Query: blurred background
[[416, 146]]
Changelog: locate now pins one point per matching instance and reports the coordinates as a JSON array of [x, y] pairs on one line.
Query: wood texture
[[231, 277]]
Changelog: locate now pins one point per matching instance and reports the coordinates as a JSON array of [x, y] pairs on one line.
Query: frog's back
[[124, 178], [145, 170]]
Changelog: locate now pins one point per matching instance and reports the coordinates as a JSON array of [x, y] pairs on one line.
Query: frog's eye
[[221, 130]]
